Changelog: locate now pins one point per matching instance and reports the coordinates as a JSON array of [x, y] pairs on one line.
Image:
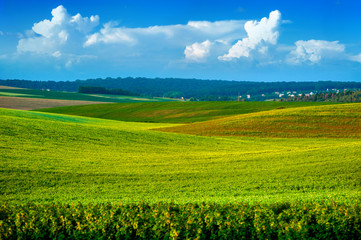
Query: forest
[[103, 90], [187, 88]]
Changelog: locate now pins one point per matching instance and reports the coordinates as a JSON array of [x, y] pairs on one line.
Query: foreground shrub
[[297, 220]]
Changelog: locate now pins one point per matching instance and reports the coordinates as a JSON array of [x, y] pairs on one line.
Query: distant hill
[[173, 112], [187, 88], [327, 121], [27, 99]]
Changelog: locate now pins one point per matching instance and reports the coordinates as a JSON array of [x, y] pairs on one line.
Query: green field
[[57, 158], [283, 173], [32, 93], [173, 112]]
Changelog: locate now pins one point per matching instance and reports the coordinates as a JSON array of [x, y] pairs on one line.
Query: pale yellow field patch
[[6, 87], [37, 103]]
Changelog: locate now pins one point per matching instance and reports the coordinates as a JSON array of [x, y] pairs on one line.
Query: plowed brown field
[[36, 103]]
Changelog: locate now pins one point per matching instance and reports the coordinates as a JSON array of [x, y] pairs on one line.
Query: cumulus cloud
[[54, 35], [67, 40], [259, 35], [197, 52], [84, 24], [110, 34], [312, 51], [172, 35]]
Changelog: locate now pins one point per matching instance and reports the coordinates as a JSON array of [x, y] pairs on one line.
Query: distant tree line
[[345, 96], [103, 90], [187, 88]]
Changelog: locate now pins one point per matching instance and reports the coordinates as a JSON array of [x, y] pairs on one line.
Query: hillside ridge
[[173, 112], [329, 121]]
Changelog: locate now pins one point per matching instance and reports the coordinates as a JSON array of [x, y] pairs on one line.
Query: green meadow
[[50, 158], [177, 171]]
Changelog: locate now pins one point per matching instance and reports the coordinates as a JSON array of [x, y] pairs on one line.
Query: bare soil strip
[[36, 103], [6, 87]]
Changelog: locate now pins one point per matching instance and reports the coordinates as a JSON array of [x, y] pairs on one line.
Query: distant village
[[332, 95]]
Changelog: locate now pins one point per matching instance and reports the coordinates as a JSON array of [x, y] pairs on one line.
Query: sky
[[240, 40]]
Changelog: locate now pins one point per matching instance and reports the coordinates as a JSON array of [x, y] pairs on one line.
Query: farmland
[[128, 162], [26, 103], [50, 158], [333, 121], [28, 99], [173, 112]]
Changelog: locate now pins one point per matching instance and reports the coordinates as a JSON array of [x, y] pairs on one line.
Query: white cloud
[[222, 29], [109, 34], [72, 41], [356, 58], [65, 36], [313, 51], [72, 59], [49, 36], [29, 33], [180, 35], [259, 34], [56, 54], [37, 45], [48, 28], [84, 24], [263, 50], [197, 52], [1, 33]]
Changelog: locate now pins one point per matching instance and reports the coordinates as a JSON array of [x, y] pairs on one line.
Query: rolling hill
[[329, 121], [73, 177], [173, 112], [28, 99], [58, 158]]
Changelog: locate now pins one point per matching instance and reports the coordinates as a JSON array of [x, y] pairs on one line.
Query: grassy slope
[[31, 93], [57, 158], [172, 112], [333, 121]]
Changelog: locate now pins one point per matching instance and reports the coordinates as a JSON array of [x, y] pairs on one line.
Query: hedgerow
[[297, 220]]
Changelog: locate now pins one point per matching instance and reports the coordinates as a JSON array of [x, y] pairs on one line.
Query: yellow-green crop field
[[50, 158]]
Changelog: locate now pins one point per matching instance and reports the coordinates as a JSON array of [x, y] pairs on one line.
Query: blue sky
[[229, 40]]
